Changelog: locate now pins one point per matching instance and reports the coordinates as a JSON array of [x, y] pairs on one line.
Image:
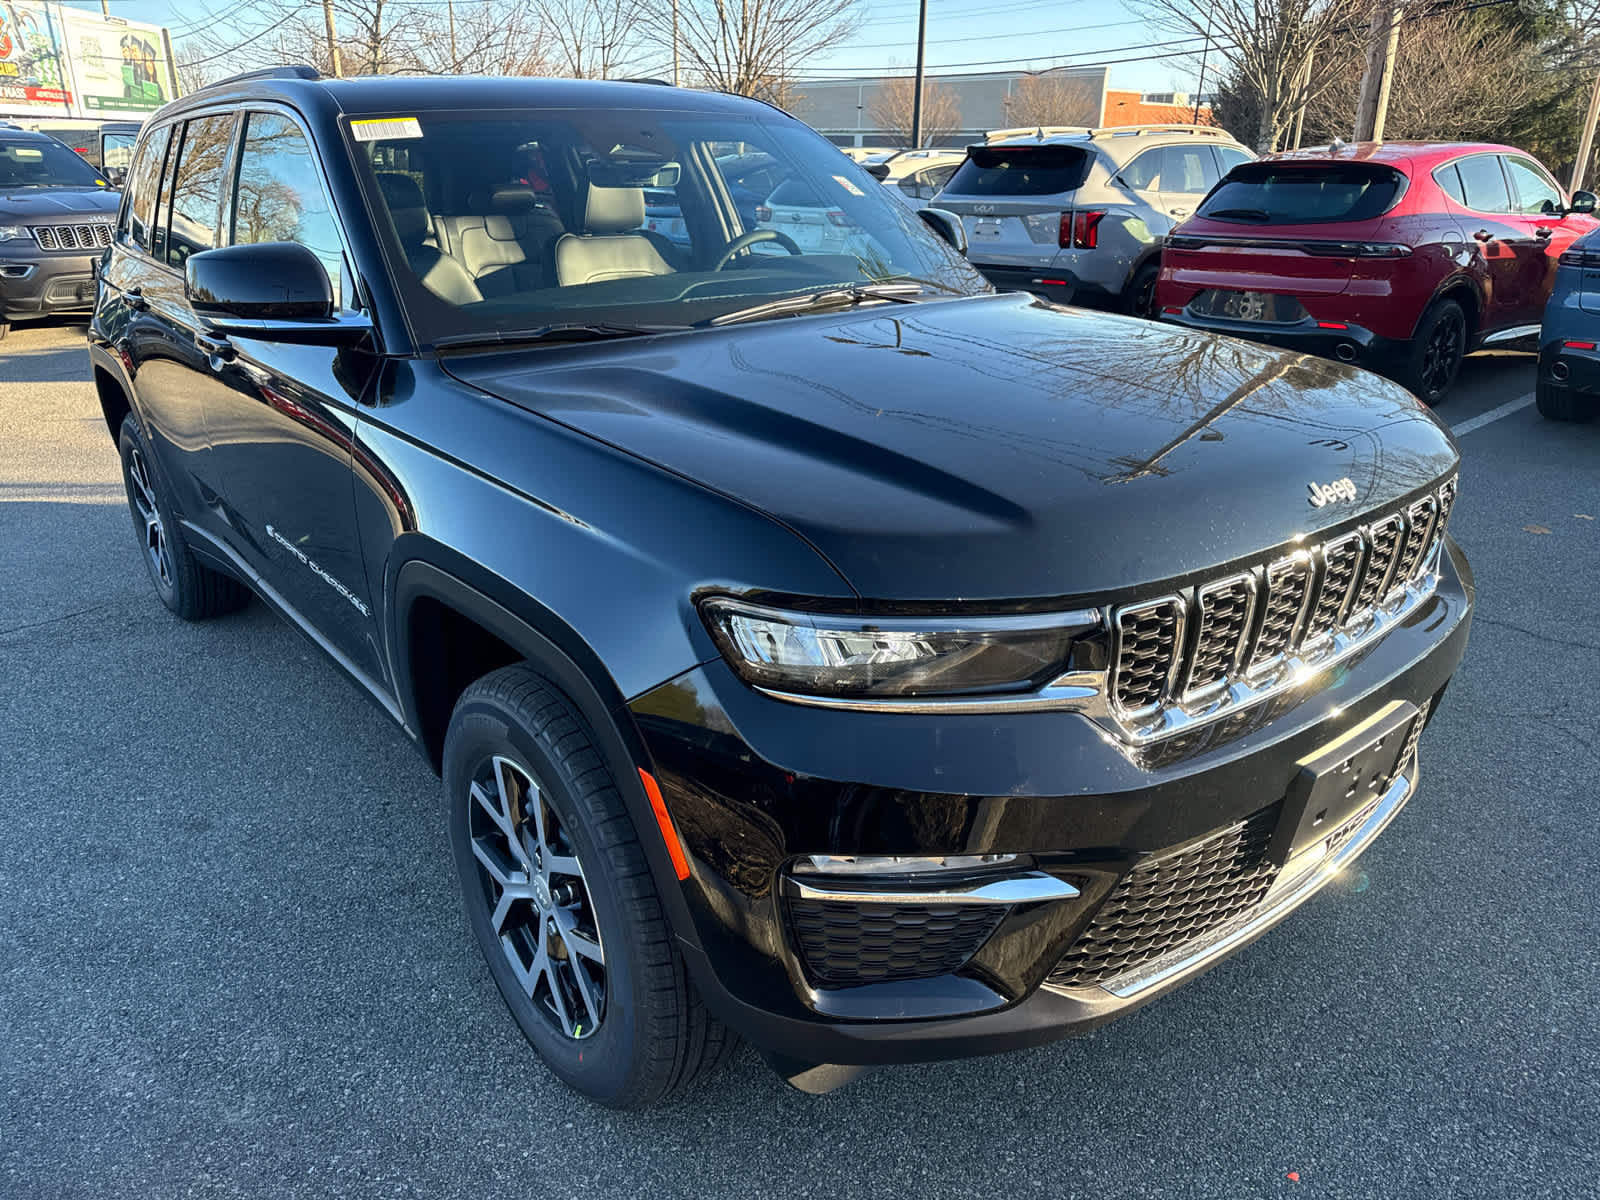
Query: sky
[[963, 35]]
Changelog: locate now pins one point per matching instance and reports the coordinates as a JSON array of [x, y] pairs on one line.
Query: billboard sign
[[60, 61]]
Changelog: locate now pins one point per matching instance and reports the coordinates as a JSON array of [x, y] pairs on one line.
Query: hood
[[994, 447], [58, 205]]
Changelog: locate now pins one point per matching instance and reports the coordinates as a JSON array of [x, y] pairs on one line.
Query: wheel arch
[[449, 620], [1463, 289], [113, 390]]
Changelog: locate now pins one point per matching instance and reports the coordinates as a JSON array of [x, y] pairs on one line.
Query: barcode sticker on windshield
[[385, 129], [848, 186]]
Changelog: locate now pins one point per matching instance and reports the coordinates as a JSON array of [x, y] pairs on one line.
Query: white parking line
[[1494, 414]]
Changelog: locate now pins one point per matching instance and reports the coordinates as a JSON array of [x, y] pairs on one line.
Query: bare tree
[[1263, 46], [1431, 96], [1054, 98], [592, 39], [752, 47], [890, 109]]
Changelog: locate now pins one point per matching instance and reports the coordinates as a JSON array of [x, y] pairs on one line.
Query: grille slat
[[1225, 612], [88, 236], [1419, 536], [1147, 651], [1340, 562], [1288, 584], [1383, 544]]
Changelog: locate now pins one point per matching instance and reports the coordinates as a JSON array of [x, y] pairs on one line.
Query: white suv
[[1079, 216]]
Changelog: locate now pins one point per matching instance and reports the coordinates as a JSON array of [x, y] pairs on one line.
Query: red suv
[[1400, 256]]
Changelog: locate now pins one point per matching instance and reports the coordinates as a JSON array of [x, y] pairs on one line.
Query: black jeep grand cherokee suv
[[815, 646]]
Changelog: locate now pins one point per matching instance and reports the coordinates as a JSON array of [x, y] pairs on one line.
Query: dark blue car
[[1569, 360]]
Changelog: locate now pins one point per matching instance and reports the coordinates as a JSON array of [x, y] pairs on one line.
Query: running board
[[1516, 333]]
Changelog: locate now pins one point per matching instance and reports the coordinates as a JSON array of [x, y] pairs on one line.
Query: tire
[[191, 590], [1564, 404], [582, 953], [1433, 360], [1139, 299], [5, 328]]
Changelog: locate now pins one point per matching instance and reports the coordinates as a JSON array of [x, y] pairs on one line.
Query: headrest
[[514, 197], [613, 209], [407, 209]]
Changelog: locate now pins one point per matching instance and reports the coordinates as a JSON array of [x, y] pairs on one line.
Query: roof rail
[[646, 79], [291, 71], [1136, 130], [1039, 131]]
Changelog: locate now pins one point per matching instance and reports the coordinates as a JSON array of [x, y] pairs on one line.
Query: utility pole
[[1382, 42], [922, 55], [1580, 167], [105, 8], [674, 43], [333, 40], [1199, 88], [450, 13], [1304, 88]]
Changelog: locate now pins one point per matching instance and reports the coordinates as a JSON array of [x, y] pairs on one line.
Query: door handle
[[1542, 233], [135, 299], [214, 347], [1483, 235], [1180, 212]]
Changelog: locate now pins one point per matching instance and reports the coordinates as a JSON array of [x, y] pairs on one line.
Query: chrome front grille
[[1148, 637], [1178, 658], [91, 236]]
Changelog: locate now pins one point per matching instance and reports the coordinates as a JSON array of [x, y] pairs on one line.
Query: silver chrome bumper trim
[[1301, 878], [1032, 888]]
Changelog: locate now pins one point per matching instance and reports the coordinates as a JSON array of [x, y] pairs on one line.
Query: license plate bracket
[[1338, 780]]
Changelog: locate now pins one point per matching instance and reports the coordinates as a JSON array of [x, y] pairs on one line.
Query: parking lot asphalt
[[233, 960]]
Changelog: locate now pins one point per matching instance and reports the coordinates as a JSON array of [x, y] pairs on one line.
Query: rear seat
[[505, 240]]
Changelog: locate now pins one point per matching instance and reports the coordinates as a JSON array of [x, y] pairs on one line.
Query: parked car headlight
[[830, 655], [13, 233]]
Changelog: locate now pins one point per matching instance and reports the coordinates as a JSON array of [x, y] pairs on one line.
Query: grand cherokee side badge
[[1328, 493]]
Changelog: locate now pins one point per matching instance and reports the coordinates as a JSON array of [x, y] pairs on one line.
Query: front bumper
[[752, 784], [35, 283], [1347, 343]]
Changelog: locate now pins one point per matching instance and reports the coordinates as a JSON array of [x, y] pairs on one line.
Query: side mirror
[[116, 176], [275, 291], [1582, 202], [947, 225], [879, 171]]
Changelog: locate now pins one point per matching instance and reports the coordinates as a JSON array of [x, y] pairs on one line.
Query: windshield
[[500, 222], [1276, 194], [43, 164]]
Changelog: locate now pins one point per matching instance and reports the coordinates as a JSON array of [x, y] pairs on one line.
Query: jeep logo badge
[[1329, 493]]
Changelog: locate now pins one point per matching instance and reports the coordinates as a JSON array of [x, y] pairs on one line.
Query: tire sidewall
[[1144, 278], [1440, 311], [132, 438], [603, 1066]]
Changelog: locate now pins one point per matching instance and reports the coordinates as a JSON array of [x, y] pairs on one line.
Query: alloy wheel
[[540, 907], [155, 532], [1442, 355]]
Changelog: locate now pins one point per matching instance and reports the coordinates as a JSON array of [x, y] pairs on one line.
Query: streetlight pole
[[922, 56]]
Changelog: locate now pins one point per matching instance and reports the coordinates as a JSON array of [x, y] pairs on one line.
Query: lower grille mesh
[[1168, 901], [844, 943]]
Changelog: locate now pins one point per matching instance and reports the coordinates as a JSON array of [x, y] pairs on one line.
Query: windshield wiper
[[828, 298], [1243, 214], [568, 331]]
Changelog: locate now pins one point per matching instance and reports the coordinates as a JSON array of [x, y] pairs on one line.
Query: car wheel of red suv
[[1434, 358]]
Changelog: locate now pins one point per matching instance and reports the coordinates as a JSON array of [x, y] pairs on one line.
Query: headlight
[[14, 233], [828, 655]]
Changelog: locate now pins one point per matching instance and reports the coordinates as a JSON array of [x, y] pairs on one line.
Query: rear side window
[[1231, 157], [1021, 171], [1449, 179], [1281, 194], [1187, 169], [279, 195], [1484, 184], [1535, 195], [143, 182], [197, 187], [116, 150]]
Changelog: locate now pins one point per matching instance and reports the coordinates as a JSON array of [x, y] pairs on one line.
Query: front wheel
[[1434, 358], [562, 902]]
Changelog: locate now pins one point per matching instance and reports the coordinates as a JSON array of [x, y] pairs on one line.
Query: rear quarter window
[[1021, 171], [1296, 194]]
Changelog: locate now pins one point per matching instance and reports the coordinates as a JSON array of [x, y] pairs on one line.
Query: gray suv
[[1080, 216], [56, 214]]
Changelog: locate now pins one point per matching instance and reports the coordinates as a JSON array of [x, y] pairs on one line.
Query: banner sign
[[68, 62]]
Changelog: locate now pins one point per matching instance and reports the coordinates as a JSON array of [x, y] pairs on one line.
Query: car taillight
[[1581, 258], [1080, 230], [763, 213], [1577, 345], [1383, 250], [841, 219]]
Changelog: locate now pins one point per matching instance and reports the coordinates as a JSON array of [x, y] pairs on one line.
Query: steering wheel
[[750, 239]]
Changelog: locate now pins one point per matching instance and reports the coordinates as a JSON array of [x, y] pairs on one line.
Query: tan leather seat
[[611, 246], [441, 274], [504, 240]]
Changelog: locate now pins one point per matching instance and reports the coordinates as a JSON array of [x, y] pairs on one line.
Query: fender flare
[[1460, 280], [548, 645]]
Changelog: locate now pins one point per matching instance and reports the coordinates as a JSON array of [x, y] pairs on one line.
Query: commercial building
[[59, 61]]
